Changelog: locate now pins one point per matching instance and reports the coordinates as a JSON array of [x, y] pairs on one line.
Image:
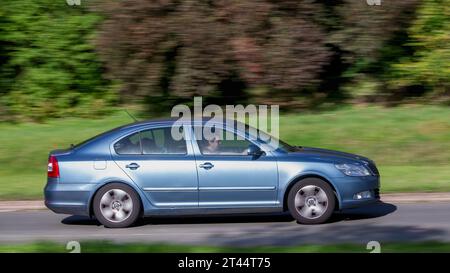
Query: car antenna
[[131, 116]]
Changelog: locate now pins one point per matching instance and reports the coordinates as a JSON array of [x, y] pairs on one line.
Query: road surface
[[384, 222]]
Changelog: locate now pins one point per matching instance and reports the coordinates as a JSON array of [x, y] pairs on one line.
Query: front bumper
[[347, 187]]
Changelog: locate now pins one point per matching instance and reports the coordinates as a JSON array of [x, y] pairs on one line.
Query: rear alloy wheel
[[117, 205], [311, 201]]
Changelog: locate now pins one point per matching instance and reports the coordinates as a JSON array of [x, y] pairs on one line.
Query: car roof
[[171, 121]]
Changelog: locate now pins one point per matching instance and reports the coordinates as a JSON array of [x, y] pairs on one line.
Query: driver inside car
[[213, 146]]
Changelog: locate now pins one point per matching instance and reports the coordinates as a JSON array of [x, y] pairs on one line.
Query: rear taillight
[[52, 167]]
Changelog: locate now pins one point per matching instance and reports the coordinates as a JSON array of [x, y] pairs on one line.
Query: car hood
[[328, 154]]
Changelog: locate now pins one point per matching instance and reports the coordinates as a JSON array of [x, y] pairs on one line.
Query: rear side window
[[153, 141], [129, 145], [160, 141]]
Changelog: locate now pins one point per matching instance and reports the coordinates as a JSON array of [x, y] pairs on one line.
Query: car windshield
[[270, 140]]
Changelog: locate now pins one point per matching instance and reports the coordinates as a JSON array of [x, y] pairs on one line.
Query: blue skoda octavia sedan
[[141, 169]]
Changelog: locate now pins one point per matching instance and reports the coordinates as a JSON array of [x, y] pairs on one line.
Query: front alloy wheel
[[311, 201], [117, 205]]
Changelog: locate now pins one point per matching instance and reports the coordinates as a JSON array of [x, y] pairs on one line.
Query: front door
[[228, 177]]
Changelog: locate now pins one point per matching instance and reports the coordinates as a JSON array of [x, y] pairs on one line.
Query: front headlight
[[353, 169]]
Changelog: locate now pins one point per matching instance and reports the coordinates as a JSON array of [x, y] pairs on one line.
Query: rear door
[[162, 166]]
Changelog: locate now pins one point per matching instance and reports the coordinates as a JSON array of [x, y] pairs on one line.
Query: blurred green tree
[[429, 37], [366, 40], [361, 30], [48, 64]]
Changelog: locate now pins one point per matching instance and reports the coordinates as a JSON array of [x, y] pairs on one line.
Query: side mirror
[[254, 150]]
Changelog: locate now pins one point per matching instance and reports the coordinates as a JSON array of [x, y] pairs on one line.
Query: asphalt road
[[382, 222]]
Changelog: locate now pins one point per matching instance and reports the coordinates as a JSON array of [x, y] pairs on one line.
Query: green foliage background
[[49, 67], [58, 60], [430, 38]]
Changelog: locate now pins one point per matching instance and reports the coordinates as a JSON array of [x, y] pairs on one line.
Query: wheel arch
[[305, 176], [101, 185]]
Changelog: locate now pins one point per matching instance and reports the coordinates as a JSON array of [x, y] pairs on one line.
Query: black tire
[[133, 214], [316, 185]]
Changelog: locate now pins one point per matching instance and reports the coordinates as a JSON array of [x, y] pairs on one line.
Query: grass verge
[[109, 247]]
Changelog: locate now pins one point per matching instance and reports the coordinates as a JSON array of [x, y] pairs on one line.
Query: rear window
[[93, 138]]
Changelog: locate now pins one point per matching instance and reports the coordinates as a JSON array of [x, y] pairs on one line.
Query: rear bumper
[[68, 198], [347, 187]]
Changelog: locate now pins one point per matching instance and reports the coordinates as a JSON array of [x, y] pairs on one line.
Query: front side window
[[221, 142], [152, 141]]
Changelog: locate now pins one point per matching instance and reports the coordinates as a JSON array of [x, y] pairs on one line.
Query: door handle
[[132, 166], [206, 165]]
